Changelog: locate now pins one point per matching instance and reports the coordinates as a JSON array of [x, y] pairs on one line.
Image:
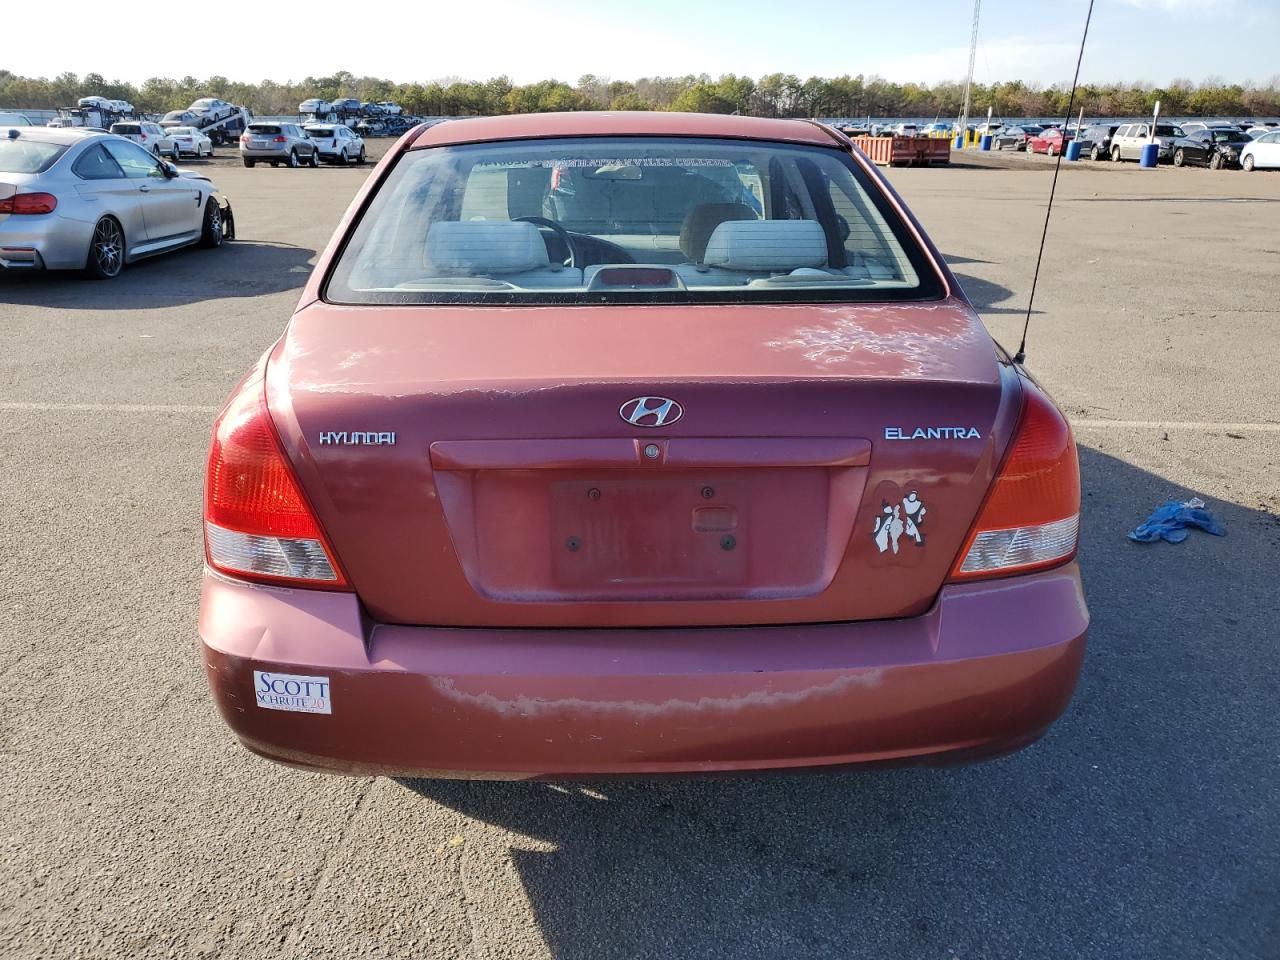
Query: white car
[[148, 135], [191, 142], [906, 130], [1263, 153], [1128, 141], [336, 142], [211, 109]]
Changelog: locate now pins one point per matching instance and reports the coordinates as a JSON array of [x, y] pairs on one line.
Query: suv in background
[[277, 143], [1095, 140], [149, 136], [336, 143], [1128, 141]]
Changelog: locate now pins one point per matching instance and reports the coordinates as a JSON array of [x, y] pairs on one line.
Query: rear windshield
[[181, 131], [319, 131], [125, 128], [28, 156], [264, 128], [1226, 136], [628, 219]]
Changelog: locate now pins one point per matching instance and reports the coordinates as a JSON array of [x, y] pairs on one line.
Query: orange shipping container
[[905, 151]]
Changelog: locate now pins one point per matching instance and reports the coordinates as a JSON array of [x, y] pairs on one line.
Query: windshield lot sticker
[[289, 691], [899, 519]]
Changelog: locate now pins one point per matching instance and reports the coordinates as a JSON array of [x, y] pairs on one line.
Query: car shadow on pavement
[[236, 269], [1142, 825], [986, 295]]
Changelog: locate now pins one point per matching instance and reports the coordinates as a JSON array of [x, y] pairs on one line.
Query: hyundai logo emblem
[[650, 411]]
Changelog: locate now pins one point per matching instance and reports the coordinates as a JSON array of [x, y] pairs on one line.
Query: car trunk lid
[[473, 465]]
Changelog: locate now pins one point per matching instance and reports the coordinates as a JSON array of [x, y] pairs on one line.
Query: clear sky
[[909, 40]]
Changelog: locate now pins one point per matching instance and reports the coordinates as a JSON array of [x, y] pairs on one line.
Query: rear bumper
[[986, 671], [49, 241]]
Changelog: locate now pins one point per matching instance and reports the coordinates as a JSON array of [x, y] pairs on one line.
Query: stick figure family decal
[[897, 519]]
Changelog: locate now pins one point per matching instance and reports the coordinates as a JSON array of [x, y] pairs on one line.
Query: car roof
[[588, 123], [63, 135]]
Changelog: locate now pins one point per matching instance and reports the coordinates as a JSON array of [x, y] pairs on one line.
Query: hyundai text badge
[[650, 411]]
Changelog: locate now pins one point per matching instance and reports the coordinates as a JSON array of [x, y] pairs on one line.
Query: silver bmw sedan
[[74, 199]]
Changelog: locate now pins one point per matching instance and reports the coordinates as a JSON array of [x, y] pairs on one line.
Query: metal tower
[[968, 81]]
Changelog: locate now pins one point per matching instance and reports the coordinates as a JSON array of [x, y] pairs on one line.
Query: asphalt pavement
[[1146, 824]]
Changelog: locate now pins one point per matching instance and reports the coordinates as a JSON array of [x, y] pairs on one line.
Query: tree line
[[773, 95]]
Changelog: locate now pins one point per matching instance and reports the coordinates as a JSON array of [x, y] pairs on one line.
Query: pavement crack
[[472, 926], [296, 928]]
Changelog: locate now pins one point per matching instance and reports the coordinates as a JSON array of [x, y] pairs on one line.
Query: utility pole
[[968, 82]]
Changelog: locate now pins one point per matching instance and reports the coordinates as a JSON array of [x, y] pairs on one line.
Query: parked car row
[[171, 142], [1213, 145], [294, 145]]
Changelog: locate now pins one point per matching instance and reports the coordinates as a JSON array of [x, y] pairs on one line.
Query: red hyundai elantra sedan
[[636, 444]]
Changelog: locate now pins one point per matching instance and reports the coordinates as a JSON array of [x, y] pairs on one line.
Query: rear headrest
[[767, 246], [485, 247], [700, 222]]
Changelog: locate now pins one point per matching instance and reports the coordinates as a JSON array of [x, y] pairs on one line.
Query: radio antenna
[[1021, 355]]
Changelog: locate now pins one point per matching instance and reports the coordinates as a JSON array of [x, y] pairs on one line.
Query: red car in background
[[640, 444], [1050, 141]]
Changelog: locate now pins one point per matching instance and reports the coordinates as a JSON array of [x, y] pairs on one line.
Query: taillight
[[258, 523], [280, 139], [29, 203], [244, 138], [144, 138], [1031, 517]]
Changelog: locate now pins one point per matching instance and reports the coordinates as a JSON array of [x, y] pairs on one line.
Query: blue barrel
[[958, 143], [986, 141], [1150, 155], [1073, 151]]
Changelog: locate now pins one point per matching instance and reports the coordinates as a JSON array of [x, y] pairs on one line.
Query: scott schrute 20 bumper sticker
[[289, 691]]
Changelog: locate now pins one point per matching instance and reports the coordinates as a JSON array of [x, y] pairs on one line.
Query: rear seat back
[[767, 246], [501, 249]]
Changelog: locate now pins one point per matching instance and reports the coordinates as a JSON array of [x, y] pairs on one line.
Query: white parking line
[[109, 407], [1087, 424]]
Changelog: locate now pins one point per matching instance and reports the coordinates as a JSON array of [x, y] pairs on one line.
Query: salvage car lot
[[1143, 825]]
